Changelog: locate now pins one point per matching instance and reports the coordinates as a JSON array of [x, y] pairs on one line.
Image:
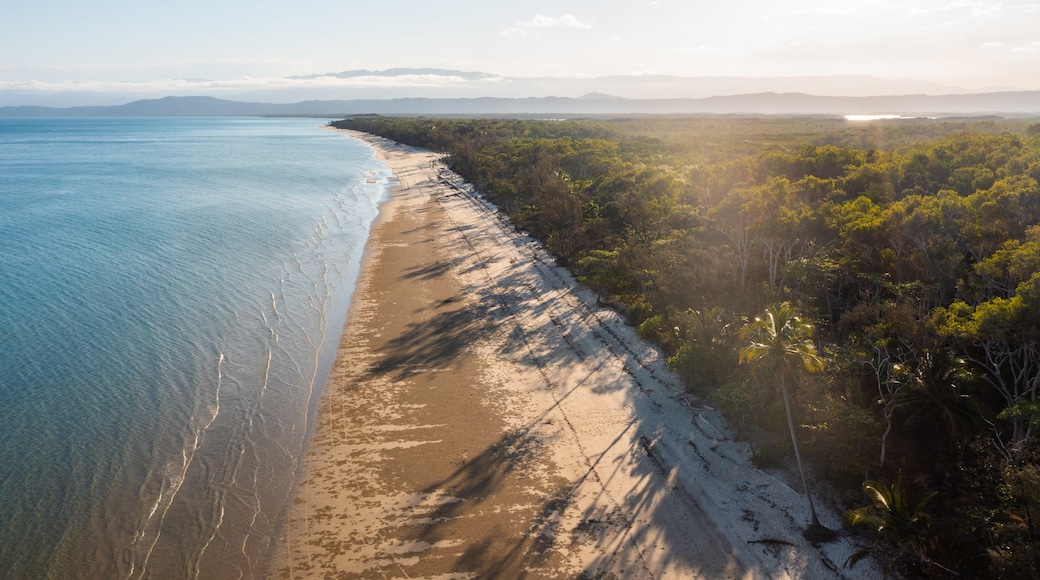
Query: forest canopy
[[912, 246]]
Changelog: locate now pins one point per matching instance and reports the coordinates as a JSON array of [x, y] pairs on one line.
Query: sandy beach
[[485, 418]]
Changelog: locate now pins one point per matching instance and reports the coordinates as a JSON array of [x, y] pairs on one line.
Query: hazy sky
[[970, 43]]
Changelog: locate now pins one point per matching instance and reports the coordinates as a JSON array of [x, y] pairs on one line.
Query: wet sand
[[485, 418]]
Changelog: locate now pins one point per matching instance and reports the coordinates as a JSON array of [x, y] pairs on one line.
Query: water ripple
[[173, 291]]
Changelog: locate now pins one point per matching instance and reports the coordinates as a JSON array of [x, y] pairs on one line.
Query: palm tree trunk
[[797, 453], [884, 437]]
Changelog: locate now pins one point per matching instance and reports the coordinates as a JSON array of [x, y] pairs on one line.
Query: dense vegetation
[[912, 246]]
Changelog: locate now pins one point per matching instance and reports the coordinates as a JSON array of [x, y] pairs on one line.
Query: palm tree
[[893, 517], [781, 341], [932, 391]]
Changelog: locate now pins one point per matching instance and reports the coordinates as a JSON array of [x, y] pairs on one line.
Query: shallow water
[[171, 296]]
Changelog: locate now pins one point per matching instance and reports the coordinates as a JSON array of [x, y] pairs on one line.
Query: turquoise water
[[171, 296]]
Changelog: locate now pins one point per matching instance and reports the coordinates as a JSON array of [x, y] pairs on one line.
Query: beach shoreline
[[486, 418]]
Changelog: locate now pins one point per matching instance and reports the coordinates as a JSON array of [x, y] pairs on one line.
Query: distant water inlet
[[872, 117], [171, 297]]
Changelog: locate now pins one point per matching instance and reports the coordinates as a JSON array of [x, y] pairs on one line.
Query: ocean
[[172, 292]]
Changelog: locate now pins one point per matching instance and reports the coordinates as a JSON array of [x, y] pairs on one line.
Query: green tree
[[902, 524], [932, 391], [1002, 337], [780, 341], [705, 354]]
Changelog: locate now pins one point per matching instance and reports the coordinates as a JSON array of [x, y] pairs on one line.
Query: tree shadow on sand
[[655, 473], [501, 490], [638, 496], [494, 489], [430, 344], [427, 272], [659, 500]]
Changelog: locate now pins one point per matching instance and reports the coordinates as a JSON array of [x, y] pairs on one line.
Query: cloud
[[143, 71], [1031, 47], [974, 9], [183, 86], [893, 18], [540, 21], [1022, 48], [888, 39]]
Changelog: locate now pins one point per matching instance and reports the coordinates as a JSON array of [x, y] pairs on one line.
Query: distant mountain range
[[1011, 102], [408, 82], [431, 83]]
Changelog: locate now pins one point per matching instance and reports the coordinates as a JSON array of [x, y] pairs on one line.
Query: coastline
[[484, 417]]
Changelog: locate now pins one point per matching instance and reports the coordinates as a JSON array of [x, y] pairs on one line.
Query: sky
[[77, 45]]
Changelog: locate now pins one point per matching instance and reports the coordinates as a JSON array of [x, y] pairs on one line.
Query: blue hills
[[768, 103]]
